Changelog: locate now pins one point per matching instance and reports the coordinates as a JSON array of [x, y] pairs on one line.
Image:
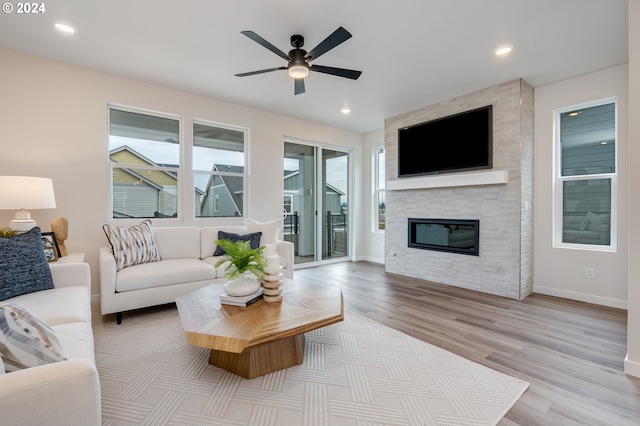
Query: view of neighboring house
[[142, 193], [223, 196]]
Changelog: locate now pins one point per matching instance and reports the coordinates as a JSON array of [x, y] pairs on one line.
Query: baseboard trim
[[631, 368], [582, 297], [370, 259]]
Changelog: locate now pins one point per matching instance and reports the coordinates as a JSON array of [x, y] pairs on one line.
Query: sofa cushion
[[132, 246], [25, 340], [59, 305], [270, 230], [177, 242], [23, 265], [253, 238], [77, 339], [163, 273]]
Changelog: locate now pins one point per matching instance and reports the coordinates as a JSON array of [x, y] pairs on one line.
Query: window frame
[[185, 202], [376, 190], [179, 170], [559, 180], [244, 174]]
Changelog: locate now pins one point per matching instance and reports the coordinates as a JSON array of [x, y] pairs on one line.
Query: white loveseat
[[187, 263], [65, 392]]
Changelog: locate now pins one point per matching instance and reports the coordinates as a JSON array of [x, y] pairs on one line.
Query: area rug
[[357, 372]]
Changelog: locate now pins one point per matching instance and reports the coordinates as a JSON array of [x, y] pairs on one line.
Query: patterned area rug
[[357, 372]]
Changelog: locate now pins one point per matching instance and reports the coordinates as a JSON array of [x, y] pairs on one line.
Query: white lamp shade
[[23, 192]]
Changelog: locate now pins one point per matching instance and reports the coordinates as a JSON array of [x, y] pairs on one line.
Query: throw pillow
[[254, 240], [23, 265], [26, 341], [132, 246], [582, 225], [270, 230]]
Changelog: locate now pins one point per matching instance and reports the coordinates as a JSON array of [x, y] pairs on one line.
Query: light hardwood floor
[[570, 352]]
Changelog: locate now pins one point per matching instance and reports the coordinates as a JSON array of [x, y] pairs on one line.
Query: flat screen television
[[456, 143]]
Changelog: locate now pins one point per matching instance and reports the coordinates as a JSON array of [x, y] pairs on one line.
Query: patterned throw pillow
[[25, 340], [132, 246], [254, 240], [23, 265]]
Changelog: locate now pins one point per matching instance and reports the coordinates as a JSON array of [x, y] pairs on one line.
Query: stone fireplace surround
[[500, 198]]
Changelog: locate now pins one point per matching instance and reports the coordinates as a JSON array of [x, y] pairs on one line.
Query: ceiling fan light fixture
[[298, 71]]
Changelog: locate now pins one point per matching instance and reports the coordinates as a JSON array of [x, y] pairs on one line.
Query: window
[[219, 170], [586, 176], [379, 188], [144, 158]]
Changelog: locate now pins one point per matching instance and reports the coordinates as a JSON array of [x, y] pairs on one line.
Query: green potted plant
[[8, 232], [239, 258]]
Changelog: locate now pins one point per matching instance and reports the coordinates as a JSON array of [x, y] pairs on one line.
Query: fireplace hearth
[[460, 236]]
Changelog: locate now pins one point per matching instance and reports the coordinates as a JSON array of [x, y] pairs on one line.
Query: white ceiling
[[413, 53]]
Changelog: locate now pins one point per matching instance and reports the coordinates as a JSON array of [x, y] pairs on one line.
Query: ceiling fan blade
[[245, 74], [338, 36], [255, 37], [340, 72], [298, 88]]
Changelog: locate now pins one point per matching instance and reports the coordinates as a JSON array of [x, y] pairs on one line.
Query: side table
[[72, 258]]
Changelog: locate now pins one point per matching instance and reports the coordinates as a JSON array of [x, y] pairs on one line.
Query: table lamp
[[22, 193]]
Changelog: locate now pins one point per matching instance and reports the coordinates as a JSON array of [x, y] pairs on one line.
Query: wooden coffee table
[[263, 337]]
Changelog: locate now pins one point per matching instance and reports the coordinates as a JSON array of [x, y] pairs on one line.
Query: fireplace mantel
[[494, 177]]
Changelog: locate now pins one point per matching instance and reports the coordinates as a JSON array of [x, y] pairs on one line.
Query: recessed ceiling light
[[345, 111], [574, 113], [603, 143], [65, 28], [503, 50]]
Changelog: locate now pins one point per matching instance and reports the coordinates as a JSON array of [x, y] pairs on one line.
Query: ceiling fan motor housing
[[297, 41]]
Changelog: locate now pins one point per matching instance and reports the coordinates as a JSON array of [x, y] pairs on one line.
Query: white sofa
[[65, 392], [187, 263]]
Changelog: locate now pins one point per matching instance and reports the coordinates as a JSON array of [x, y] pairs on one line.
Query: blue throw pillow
[[254, 240], [23, 265]]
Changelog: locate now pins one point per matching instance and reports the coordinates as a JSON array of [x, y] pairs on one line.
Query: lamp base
[[22, 225], [22, 221]]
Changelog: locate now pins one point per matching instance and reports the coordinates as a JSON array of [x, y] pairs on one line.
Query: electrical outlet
[[589, 273]]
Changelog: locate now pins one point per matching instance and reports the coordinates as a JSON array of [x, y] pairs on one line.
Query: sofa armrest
[[286, 251], [70, 274], [107, 280], [63, 393]]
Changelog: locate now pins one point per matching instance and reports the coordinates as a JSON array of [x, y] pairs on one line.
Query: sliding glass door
[[316, 202]]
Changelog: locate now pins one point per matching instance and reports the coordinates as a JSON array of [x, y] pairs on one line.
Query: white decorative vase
[[242, 286]]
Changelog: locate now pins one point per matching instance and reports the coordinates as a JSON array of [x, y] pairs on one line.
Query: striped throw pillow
[[25, 340], [132, 246]]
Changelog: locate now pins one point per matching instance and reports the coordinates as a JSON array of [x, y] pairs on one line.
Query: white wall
[[560, 271], [53, 123], [632, 363], [373, 242]]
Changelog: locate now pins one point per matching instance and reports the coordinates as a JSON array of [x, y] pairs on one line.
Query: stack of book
[[245, 301]]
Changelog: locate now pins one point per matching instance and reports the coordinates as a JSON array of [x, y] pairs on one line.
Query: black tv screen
[[456, 143]]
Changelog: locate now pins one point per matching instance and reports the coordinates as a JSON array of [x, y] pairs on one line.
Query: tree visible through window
[[586, 175]]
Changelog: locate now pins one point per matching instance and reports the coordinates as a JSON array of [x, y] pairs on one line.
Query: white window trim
[[558, 181], [245, 176], [180, 169], [375, 167]]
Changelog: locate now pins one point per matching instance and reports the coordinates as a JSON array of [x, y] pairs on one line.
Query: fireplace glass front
[[451, 235]]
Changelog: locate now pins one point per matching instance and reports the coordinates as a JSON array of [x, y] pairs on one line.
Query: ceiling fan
[[298, 58]]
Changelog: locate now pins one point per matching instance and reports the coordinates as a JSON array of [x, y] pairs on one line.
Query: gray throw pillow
[[253, 238], [23, 265]]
